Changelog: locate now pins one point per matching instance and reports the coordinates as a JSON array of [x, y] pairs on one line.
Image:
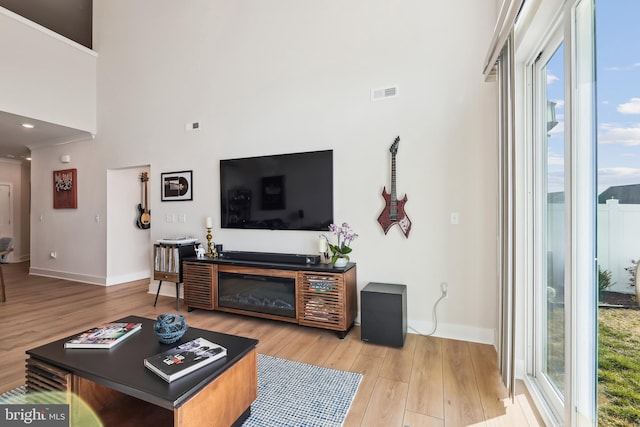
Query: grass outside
[[619, 367]]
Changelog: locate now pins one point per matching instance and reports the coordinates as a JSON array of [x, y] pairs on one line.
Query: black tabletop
[[122, 368]]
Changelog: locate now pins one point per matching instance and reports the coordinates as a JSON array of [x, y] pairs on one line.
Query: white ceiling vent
[[384, 93]]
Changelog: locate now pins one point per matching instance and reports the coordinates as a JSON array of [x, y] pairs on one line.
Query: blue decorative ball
[[169, 328]]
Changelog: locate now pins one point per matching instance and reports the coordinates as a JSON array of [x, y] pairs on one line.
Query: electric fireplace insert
[[257, 293]]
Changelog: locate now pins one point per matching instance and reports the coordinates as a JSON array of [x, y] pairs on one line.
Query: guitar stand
[[177, 294]]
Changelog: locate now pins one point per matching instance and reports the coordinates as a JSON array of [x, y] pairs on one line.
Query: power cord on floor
[[443, 289]]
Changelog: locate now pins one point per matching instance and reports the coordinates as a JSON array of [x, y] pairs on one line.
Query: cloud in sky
[[555, 159], [559, 128], [612, 134], [623, 68], [620, 171], [551, 78], [559, 104], [608, 177], [631, 107]]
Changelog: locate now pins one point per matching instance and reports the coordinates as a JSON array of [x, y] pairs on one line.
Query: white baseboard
[[168, 289], [126, 278], [444, 330], [84, 278], [453, 331]]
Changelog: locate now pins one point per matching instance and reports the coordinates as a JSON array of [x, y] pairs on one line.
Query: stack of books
[[184, 359], [106, 335]]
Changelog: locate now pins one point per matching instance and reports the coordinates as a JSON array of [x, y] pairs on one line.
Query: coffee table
[[117, 386]]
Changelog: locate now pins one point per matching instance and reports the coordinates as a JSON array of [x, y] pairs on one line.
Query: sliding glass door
[[562, 234], [550, 222]]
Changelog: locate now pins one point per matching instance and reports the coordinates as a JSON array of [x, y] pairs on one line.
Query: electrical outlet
[[444, 288], [455, 218], [188, 127]]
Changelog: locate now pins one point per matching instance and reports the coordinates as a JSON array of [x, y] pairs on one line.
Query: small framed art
[[65, 189], [177, 186]]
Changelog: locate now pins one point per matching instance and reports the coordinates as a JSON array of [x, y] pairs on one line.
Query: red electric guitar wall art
[[393, 212]]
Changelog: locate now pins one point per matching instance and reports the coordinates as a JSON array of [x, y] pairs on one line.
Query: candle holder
[[211, 250]]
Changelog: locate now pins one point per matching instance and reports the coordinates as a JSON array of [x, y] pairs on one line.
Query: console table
[[321, 295]]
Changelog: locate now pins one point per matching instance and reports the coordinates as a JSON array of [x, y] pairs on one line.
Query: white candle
[[322, 245], [209, 222]]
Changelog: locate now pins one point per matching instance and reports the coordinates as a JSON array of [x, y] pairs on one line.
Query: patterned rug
[[297, 394], [290, 394]]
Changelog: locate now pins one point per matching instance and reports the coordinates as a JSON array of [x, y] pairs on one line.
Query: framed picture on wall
[[65, 189], [177, 186]]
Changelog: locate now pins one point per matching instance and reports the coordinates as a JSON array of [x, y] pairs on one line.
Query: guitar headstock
[[144, 177], [394, 146]]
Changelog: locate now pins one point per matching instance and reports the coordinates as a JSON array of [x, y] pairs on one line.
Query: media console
[[317, 295]]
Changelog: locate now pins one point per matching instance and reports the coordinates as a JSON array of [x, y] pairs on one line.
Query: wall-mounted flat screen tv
[[278, 192]]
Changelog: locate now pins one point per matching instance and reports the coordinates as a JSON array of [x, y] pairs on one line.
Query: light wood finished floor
[[429, 382]]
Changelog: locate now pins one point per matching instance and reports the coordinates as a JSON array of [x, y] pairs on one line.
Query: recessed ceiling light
[[27, 125]]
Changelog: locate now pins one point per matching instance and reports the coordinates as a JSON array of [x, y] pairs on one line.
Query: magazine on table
[[184, 358], [105, 335]]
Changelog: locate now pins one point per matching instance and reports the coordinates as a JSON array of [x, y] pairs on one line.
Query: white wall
[[77, 238], [16, 173], [288, 76], [126, 261], [56, 85]]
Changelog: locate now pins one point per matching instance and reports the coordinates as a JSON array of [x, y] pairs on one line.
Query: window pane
[[554, 223]]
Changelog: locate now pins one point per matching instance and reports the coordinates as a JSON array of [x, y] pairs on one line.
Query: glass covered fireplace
[[257, 293]]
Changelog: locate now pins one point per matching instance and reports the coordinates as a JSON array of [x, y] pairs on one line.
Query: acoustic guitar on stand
[[393, 212], [144, 217]]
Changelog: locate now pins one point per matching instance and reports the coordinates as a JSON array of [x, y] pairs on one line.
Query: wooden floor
[[429, 382]]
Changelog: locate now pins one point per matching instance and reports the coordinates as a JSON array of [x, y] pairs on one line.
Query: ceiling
[[16, 141]]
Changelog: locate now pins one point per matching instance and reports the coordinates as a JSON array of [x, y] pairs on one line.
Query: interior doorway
[[6, 211], [128, 244]]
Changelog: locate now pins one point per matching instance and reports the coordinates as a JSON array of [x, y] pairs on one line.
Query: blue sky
[[618, 97], [555, 143], [618, 86]]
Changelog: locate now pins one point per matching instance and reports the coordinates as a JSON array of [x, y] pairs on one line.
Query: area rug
[[290, 394], [297, 394]]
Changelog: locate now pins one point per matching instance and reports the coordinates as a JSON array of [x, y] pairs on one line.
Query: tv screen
[[278, 192]]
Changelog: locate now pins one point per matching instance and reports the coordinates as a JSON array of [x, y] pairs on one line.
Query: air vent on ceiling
[[384, 93]]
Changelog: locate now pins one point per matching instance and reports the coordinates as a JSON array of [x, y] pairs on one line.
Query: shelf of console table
[[326, 296]]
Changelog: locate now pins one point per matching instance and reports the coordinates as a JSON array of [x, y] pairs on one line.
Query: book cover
[[104, 336], [184, 358]]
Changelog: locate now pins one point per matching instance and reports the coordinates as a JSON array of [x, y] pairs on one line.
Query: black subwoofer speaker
[[383, 314]]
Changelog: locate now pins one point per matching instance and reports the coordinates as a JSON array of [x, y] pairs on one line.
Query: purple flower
[[345, 237]]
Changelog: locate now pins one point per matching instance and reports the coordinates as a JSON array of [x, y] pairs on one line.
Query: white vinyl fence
[[618, 241]]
